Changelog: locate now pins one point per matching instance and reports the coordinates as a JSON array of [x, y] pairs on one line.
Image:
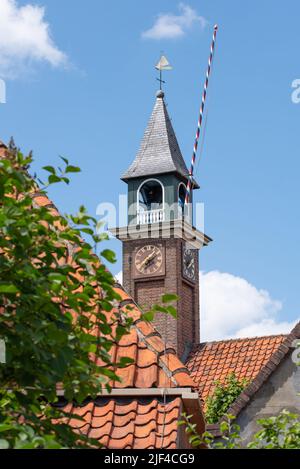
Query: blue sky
[[89, 98]]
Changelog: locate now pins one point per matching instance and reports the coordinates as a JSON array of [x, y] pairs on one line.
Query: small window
[[150, 196], [181, 198]]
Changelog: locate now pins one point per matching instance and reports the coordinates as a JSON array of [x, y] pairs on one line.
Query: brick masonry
[[184, 332]]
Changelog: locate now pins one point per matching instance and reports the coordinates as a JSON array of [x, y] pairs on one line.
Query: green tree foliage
[[224, 395], [280, 432], [230, 434], [54, 295]]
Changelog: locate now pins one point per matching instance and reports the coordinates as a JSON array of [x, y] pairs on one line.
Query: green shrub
[[224, 395]]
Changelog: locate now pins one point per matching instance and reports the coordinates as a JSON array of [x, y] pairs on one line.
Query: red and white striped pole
[[191, 174]]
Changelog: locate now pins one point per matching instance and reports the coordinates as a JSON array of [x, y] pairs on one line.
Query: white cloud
[[231, 307], [25, 38], [266, 327], [170, 26]]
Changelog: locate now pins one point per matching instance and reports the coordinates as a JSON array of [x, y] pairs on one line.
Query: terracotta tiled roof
[[282, 346], [129, 424], [214, 361]]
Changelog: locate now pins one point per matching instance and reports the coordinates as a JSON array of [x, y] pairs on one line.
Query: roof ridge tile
[[238, 339]]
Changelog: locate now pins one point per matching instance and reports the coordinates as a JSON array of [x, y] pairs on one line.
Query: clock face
[[189, 264], [149, 261]]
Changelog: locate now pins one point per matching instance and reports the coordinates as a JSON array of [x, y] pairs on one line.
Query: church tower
[[160, 245]]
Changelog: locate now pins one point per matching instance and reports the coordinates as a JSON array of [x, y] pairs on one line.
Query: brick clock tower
[[160, 245]]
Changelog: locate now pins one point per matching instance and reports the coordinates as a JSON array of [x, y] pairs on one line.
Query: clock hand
[[151, 260], [145, 261]]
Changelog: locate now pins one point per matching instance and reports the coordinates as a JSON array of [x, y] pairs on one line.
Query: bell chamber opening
[[150, 202]]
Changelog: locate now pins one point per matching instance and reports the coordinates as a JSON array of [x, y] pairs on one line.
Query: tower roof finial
[[162, 65]]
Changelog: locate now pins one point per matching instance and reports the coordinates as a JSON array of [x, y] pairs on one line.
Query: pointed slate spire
[[159, 152]]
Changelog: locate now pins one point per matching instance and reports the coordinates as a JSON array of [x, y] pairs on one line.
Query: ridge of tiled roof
[[236, 339], [159, 152]]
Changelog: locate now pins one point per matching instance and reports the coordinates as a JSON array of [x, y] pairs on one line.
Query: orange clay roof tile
[[155, 343], [172, 362], [129, 339], [167, 442], [147, 380], [148, 442], [144, 328], [184, 380], [146, 358], [164, 381], [150, 415]]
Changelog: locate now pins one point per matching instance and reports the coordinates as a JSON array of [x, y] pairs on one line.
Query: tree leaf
[[53, 179], [64, 160], [4, 444], [49, 169], [5, 288], [169, 298], [73, 169], [109, 256]]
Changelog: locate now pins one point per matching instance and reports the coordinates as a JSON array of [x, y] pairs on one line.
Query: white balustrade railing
[[152, 216]]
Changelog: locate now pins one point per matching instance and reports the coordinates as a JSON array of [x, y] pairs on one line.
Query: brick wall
[[147, 293], [187, 311], [183, 332]]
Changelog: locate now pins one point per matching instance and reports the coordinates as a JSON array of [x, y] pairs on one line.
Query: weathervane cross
[[162, 65]]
